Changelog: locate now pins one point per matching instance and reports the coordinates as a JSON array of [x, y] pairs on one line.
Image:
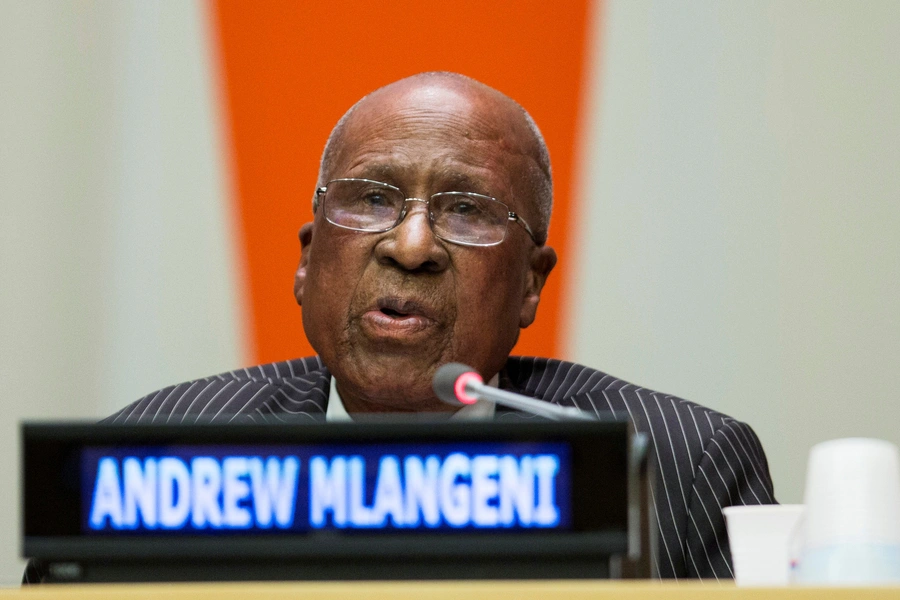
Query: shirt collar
[[483, 410]]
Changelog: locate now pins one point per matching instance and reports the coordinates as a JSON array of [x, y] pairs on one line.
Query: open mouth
[[393, 318], [400, 308]]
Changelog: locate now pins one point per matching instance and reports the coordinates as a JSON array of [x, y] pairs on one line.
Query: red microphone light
[[460, 387]]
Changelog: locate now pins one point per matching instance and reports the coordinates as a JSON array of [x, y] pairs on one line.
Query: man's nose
[[412, 245]]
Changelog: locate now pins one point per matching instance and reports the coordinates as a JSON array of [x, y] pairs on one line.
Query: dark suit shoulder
[[592, 390], [682, 427], [551, 379], [273, 391], [705, 459]]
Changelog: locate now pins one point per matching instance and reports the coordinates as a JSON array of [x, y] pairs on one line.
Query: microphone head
[[450, 381]]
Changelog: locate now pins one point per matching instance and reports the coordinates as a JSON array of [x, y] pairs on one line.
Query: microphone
[[460, 385]]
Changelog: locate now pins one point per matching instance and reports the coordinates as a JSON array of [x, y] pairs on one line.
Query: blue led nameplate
[[300, 488]]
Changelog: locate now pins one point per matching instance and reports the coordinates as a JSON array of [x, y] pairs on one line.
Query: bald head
[[502, 120]]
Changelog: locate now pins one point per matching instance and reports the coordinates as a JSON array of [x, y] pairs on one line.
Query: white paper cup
[[760, 540], [852, 525]]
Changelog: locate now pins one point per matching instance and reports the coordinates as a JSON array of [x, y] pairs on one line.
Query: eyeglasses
[[459, 217]]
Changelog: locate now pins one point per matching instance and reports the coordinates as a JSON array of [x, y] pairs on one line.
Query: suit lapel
[[300, 390]]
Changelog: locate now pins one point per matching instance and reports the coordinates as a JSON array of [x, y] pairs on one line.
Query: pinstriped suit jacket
[[706, 460]]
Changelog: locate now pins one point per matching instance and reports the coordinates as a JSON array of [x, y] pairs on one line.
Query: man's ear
[[543, 259], [306, 234]]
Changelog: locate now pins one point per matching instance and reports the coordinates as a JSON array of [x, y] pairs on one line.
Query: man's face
[[385, 310]]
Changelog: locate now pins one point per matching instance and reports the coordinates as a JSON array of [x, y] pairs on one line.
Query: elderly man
[[427, 247]]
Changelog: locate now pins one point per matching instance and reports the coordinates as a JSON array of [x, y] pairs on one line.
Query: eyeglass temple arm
[[315, 203], [514, 217]]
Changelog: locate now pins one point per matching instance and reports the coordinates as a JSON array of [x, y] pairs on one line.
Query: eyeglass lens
[[455, 216]]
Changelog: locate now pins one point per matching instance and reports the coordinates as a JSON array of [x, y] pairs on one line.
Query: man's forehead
[[390, 171], [431, 112], [431, 108]]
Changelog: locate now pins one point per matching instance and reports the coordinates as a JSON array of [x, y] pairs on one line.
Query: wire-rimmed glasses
[[462, 218]]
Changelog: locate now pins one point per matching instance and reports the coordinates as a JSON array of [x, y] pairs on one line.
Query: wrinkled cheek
[[509, 318], [325, 307], [488, 324]]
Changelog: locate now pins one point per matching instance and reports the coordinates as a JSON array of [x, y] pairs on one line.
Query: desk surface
[[445, 590]]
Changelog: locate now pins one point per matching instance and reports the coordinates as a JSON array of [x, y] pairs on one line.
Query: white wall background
[[116, 270], [741, 215], [741, 223]]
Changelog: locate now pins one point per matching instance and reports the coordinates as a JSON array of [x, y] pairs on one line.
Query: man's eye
[[375, 199], [464, 208]]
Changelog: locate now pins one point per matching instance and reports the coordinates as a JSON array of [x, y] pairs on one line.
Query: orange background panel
[[292, 68]]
